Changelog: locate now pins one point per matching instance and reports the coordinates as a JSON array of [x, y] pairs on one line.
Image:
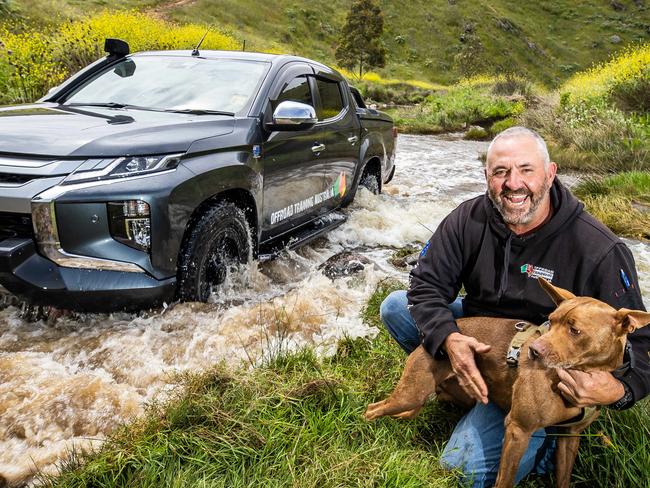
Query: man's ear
[[557, 294], [630, 320]]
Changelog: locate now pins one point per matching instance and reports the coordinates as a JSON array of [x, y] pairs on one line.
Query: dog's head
[[585, 333]]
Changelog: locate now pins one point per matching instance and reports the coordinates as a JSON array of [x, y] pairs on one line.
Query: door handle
[[316, 148], [352, 140]]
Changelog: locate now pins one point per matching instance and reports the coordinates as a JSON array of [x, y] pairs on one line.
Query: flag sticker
[[537, 272]]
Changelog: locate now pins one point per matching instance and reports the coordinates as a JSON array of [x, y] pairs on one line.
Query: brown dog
[[585, 334]]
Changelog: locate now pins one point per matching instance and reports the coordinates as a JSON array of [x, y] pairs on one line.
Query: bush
[[513, 85], [396, 93], [476, 133], [464, 105], [588, 134], [5, 7], [626, 73], [633, 94], [622, 202], [501, 125], [32, 61]]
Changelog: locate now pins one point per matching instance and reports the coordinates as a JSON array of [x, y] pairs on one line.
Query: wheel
[[370, 181], [218, 241]]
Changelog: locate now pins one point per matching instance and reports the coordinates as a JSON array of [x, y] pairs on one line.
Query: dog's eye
[[574, 331]]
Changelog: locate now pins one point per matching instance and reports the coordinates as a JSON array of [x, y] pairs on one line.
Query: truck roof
[[244, 55]]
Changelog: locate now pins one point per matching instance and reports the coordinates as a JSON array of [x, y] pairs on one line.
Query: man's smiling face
[[519, 181]]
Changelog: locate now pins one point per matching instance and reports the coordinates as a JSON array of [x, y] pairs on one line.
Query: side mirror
[[290, 115]]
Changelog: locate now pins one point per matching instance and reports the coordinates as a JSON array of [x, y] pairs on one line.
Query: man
[[496, 245]]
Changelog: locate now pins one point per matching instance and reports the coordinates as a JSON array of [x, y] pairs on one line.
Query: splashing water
[[70, 381]]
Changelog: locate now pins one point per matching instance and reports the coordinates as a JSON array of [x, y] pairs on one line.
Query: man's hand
[[586, 389], [461, 349]]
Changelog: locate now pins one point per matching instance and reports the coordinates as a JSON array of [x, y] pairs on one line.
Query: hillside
[[435, 40]]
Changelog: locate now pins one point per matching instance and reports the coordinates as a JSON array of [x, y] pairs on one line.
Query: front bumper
[[27, 274]]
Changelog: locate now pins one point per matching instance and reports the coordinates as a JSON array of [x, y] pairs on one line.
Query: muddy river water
[[70, 380]]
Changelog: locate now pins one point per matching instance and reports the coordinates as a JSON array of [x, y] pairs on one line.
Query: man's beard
[[521, 216]]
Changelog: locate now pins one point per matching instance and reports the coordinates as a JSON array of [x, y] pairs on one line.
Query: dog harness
[[524, 331]]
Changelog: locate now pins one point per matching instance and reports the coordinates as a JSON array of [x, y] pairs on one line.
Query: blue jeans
[[475, 444]]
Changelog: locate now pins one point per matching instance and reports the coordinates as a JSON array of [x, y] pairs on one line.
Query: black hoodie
[[473, 247]]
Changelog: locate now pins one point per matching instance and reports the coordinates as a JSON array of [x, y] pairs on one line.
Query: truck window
[[297, 90], [330, 97]]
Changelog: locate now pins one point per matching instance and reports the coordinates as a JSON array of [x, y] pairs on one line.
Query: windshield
[[174, 83]]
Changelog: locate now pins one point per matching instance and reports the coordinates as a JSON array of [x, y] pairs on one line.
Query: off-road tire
[[370, 181], [218, 239]]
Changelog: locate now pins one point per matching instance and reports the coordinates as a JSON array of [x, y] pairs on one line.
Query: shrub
[[626, 73], [397, 93], [501, 125], [476, 133], [633, 94], [589, 134], [622, 202]]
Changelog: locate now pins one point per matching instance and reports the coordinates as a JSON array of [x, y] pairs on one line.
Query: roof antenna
[[196, 49]]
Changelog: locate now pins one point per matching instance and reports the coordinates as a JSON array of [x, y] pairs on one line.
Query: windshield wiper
[[109, 105], [104, 104], [198, 111]]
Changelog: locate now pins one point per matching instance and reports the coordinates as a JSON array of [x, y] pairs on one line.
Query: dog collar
[[524, 331]]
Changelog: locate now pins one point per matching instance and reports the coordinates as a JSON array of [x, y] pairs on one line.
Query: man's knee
[[398, 321], [393, 307]]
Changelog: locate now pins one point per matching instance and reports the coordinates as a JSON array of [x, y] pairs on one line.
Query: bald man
[[496, 245]]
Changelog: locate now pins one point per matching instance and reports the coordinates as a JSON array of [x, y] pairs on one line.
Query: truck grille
[[15, 225], [9, 179]]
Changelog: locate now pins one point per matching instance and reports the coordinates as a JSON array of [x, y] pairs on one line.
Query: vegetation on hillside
[[436, 40], [600, 119], [297, 422], [32, 61]]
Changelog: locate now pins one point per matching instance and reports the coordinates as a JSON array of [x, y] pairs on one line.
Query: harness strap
[[524, 331], [585, 412]]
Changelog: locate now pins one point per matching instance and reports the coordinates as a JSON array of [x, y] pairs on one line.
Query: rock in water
[[345, 263]]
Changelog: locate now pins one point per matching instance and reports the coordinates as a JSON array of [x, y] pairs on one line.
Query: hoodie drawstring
[[504, 271]]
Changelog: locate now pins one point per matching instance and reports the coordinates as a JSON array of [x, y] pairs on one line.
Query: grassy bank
[[622, 202], [599, 121], [490, 102], [297, 422]]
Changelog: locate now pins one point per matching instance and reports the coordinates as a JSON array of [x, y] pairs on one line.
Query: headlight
[[124, 167]]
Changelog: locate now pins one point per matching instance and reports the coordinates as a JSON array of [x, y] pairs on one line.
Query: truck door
[[292, 163], [340, 133]]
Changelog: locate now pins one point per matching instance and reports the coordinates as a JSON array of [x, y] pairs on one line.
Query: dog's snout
[[536, 350]]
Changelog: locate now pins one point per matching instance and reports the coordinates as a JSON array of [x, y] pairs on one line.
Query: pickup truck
[[147, 177]]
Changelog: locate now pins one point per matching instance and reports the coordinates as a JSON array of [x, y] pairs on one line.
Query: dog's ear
[[630, 320], [557, 294]]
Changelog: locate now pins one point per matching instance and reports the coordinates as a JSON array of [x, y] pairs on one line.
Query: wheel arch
[[240, 197]]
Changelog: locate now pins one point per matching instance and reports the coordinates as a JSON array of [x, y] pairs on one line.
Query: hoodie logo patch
[[538, 272]]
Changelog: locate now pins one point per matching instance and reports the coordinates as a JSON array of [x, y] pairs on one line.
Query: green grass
[[621, 201], [296, 421], [456, 109]]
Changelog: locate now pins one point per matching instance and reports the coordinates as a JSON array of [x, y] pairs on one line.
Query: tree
[[360, 42]]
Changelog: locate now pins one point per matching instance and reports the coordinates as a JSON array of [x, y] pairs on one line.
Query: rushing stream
[[72, 379]]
